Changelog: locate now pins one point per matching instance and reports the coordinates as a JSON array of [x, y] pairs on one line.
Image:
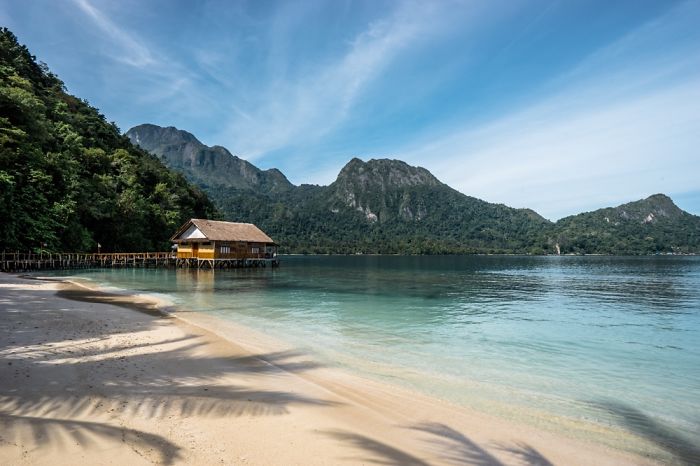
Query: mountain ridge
[[203, 164], [387, 205], [652, 224]]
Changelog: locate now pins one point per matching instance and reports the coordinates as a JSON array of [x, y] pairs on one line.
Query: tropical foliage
[[650, 226], [69, 179]]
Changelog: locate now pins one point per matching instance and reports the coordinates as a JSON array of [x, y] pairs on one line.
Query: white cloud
[[165, 87], [608, 154], [130, 49], [559, 160], [301, 110], [626, 125]]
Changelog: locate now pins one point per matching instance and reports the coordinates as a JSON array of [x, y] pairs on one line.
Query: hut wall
[[184, 251], [230, 250], [226, 250], [206, 251]]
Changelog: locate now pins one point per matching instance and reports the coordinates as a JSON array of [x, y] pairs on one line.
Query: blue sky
[[561, 106]]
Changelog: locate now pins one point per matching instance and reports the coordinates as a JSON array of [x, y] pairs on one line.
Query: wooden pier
[[247, 262], [24, 262]]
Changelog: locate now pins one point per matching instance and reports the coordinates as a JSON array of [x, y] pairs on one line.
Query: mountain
[[204, 165], [409, 205], [651, 225], [381, 189], [69, 179], [379, 206], [387, 206], [395, 190]]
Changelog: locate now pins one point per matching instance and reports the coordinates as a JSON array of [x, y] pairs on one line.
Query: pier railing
[[14, 261], [18, 261]]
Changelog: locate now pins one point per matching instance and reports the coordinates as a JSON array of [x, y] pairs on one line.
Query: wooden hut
[[213, 243]]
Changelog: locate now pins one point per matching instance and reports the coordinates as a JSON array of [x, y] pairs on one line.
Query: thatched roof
[[214, 230]]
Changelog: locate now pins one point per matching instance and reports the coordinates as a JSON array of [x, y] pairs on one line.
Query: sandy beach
[[88, 377]]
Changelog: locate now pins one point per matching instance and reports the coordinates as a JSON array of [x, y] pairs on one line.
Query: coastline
[[164, 385]]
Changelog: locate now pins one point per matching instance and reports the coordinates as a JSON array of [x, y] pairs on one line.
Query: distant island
[[389, 207], [69, 180]]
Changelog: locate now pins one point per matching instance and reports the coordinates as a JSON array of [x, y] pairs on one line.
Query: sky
[[559, 106]]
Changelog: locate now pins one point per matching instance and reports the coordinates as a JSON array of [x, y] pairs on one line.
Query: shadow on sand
[[453, 447], [377, 452], [443, 442], [54, 391], [57, 432]]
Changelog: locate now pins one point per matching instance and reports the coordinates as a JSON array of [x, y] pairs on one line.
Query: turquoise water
[[605, 341]]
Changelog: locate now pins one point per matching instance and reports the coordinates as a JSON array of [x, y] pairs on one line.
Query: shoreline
[[329, 415]]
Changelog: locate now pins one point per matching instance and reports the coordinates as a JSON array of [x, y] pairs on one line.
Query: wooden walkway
[[24, 262]]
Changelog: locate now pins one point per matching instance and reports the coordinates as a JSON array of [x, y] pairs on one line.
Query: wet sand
[[88, 377]]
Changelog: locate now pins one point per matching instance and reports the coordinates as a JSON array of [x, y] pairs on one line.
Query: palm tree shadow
[[453, 447], [109, 376], [150, 392], [380, 453], [448, 444], [58, 431], [525, 454], [686, 452], [14, 299]]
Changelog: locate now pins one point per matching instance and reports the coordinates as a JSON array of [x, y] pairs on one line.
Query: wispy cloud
[[622, 128], [130, 48], [559, 162], [290, 112], [162, 83]]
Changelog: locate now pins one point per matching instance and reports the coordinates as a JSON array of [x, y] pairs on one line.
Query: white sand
[[86, 379]]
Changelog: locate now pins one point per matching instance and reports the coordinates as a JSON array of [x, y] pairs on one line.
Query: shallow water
[[604, 341]]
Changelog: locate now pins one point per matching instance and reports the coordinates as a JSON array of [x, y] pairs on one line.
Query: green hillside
[[649, 226], [379, 206], [388, 206], [69, 179]]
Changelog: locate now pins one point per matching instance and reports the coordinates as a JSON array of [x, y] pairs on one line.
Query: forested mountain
[[380, 206], [647, 226], [69, 179], [385, 206], [388, 206]]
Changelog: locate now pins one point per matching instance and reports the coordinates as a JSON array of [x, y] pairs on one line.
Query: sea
[[584, 345]]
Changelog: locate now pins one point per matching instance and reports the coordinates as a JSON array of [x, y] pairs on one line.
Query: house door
[[195, 250]]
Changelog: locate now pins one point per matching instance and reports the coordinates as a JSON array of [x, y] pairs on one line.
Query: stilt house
[[212, 240]]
